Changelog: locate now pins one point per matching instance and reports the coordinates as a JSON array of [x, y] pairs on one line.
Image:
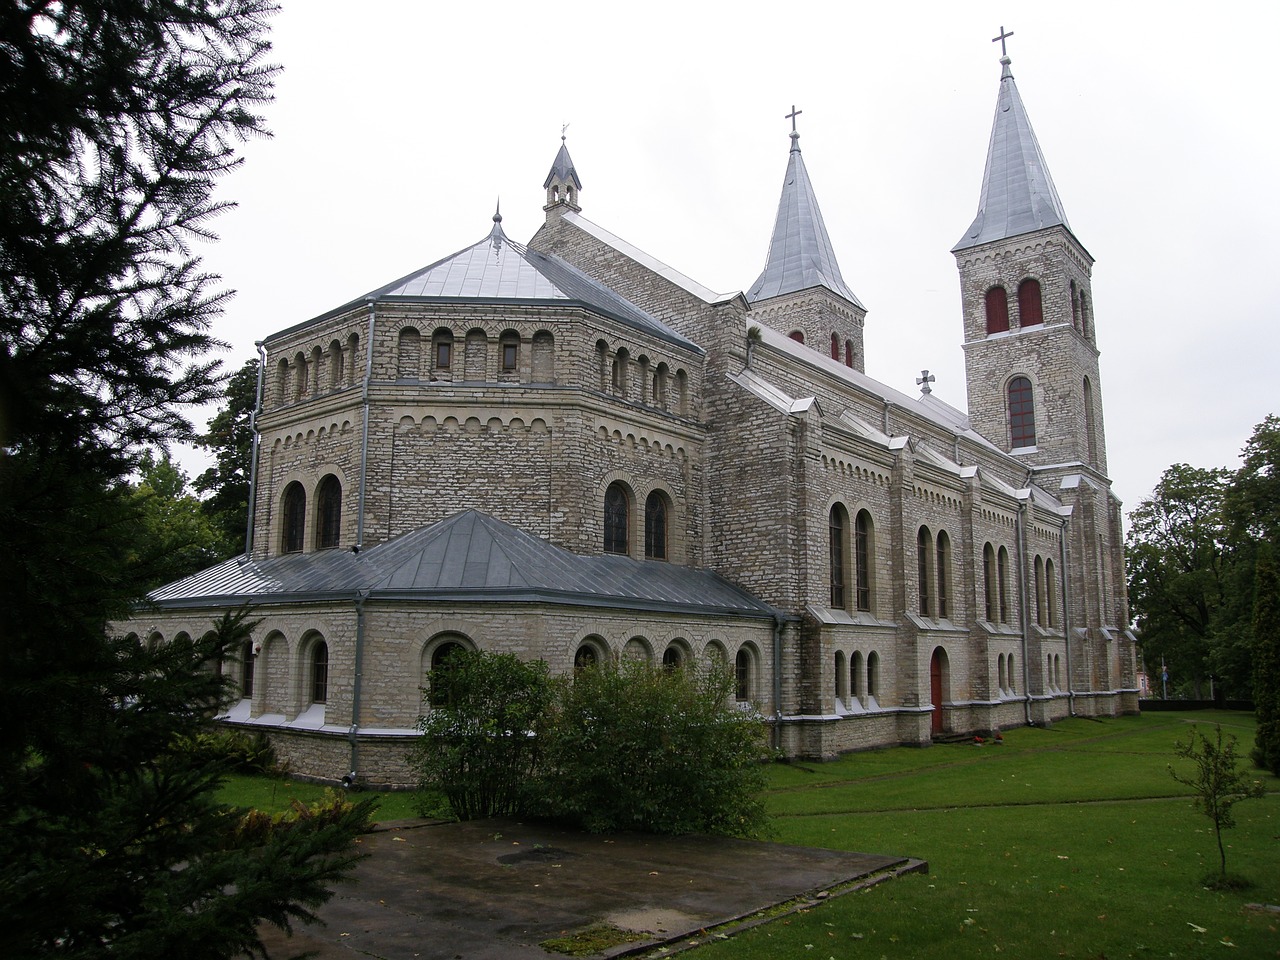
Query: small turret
[[562, 183]]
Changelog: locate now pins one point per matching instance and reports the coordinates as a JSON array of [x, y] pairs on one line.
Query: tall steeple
[[801, 291], [1018, 195], [562, 183]]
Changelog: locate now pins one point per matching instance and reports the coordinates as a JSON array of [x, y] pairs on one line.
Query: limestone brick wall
[[829, 325]]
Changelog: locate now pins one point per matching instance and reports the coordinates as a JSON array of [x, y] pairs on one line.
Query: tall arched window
[[320, 672], [335, 365], [989, 582], [1051, 594], [1022, 413], [438, 682], [282, 381], [294, 518], [835, 346], [873, 675], [617, 519], [742, 676], [655, 526], [842, 680], [328, 512], [944, 575], [997, 302], [300, 375], [1030, 310], [1039, 585], [924, 555], [848, 353], [1075, 306], [1002, 579], [837, 547], [246, 670], [864, 552], [1090, 435]]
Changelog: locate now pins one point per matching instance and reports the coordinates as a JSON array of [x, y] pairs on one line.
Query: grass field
[[1072, 841]]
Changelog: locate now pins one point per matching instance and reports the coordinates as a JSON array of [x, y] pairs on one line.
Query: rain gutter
[[1064, 552], [1023, 598], [364, 432], [253, 456], [354, 733]]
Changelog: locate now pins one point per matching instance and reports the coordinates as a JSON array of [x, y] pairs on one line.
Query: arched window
[[294, 519], [989, 582], [1013, 686], [924, 555], [1051, 594], [509, 347], [409, 354], [672, 658], [335, 365], [742, 676], [317, 362], [1090, 435], [842, 680], [997, 302], [621, 372], [543, 358], [585, 658], [617, 519], [838, 539], [1039, 586], [864, 552], [439, 682], [944, 575], [873, 675], [655, 526], [1001, 682], [328, 512], [848, 353], [246, 670], [442, 350], [353, 350], [857, 689], [300, 376], [602, 356], [661, 379], [1002, 578], [282, 381], [1022, 413], [1084, 315], [1030, 310], [797, 336], [320, 672], [1075, 306], [475, 360], [682, 393], [835, 346]]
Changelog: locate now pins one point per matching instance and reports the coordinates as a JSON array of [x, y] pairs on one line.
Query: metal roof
[[800, 252], [469, 556], [500, 270], [1018, 195], [562, 168]]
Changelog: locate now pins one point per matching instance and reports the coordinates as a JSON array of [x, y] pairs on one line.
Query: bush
[[638, 747], [481, 733], [235, 750]]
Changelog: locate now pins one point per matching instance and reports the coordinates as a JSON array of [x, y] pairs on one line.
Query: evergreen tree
[[1266, 663], [119, 116]]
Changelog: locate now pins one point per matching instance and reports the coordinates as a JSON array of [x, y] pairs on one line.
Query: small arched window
[[835, 346], [617, 519], [328, 512], [873, 675], [742, 676], [1022, 413], [1002, 579], [282, 381], [439, 683], [1039, 586], [335, 365], [842, 680], [1050, 594], [442, 349], [672, 658], [655, 526], [320, 672], [864, 551], [797, 336], [997, 310], [848, 353], [1030, 310], [509, 345], [294, 519], [300, 376], [586, 658]]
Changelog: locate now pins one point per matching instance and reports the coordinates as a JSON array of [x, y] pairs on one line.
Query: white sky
[[398, 128]]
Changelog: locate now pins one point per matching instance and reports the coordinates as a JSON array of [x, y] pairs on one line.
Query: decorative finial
[[926, 377], [565, 126], [1004, 54], [497, 211], [795, 137]]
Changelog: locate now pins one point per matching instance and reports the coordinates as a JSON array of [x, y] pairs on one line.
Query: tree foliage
[[230, 439], [1217, 783], [1266, 664], [174, 537], [119, 116]]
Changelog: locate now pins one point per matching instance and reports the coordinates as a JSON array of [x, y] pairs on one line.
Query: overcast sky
[[399, 127]]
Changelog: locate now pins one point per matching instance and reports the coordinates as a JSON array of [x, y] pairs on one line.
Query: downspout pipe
[[1023, 598], [777, 681], [253, 455], [353, 734], [364, 431], [1064, 555]]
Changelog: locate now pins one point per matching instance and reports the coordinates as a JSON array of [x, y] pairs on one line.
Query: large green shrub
[[481, 733], [638, 747]]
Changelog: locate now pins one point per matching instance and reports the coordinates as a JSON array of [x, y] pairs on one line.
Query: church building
[[570, 451]]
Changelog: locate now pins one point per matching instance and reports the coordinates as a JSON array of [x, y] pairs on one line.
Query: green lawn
[[1068, 842], [274, 795]]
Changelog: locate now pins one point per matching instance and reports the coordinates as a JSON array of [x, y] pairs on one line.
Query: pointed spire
[[800, 252], [562, 183], [1018, 195]]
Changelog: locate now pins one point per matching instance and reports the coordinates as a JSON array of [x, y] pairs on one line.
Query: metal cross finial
[[926, 377], [795, 113], [1001, 38], [565, 126]]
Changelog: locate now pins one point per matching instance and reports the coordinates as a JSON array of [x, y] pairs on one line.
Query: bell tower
[[1031, 357], [562, 183]]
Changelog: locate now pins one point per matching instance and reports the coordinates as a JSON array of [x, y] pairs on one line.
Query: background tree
[[1266, 663], [119, 116], [1176, 553], [174, 536], [230, 439]]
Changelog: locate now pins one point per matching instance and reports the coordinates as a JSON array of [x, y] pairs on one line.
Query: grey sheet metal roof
[[472, 557], [498, 269], [1018, 195], [800, 252], [562, 168]]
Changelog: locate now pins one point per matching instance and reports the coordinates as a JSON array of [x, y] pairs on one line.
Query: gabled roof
[[1018, 195], [800, 252], [470, 556], [500, 270]]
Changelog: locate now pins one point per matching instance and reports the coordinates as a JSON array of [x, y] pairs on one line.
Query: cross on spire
[[1001, 39], [926, 377], [565, 126], [795, 113]]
